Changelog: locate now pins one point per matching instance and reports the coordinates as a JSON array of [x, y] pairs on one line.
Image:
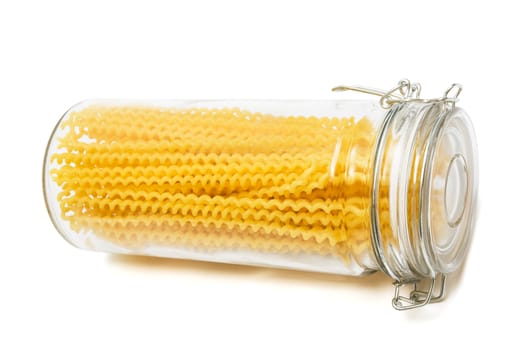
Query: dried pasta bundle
[[216, 179]]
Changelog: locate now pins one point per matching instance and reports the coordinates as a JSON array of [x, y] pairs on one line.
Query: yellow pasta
[[216, 179]]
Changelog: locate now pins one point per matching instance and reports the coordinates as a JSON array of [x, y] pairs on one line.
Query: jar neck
[[402, 207]]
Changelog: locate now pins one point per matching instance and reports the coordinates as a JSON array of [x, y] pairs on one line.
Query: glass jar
[[336, 186]]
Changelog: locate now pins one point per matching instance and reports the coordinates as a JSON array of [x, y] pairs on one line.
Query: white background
[[56, 53]]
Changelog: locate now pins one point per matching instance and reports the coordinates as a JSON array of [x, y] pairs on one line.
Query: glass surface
[[273, 183]]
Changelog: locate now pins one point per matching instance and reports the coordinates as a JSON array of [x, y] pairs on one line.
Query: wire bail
[[417, 297], [405, 91]]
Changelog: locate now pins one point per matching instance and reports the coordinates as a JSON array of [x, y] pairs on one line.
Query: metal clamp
[[418, 298], [405, 91]]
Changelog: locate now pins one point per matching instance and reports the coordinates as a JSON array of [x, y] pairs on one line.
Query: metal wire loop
[[418, 298], [405, 91]]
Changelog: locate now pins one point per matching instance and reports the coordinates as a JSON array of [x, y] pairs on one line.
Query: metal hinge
[[417, 297]]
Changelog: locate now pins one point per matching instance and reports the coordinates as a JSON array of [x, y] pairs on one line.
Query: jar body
[[275, 183]]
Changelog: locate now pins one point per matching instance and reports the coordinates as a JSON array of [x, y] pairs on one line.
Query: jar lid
[[451, 190]]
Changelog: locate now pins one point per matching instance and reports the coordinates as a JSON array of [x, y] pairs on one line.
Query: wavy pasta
[[216, 179]]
